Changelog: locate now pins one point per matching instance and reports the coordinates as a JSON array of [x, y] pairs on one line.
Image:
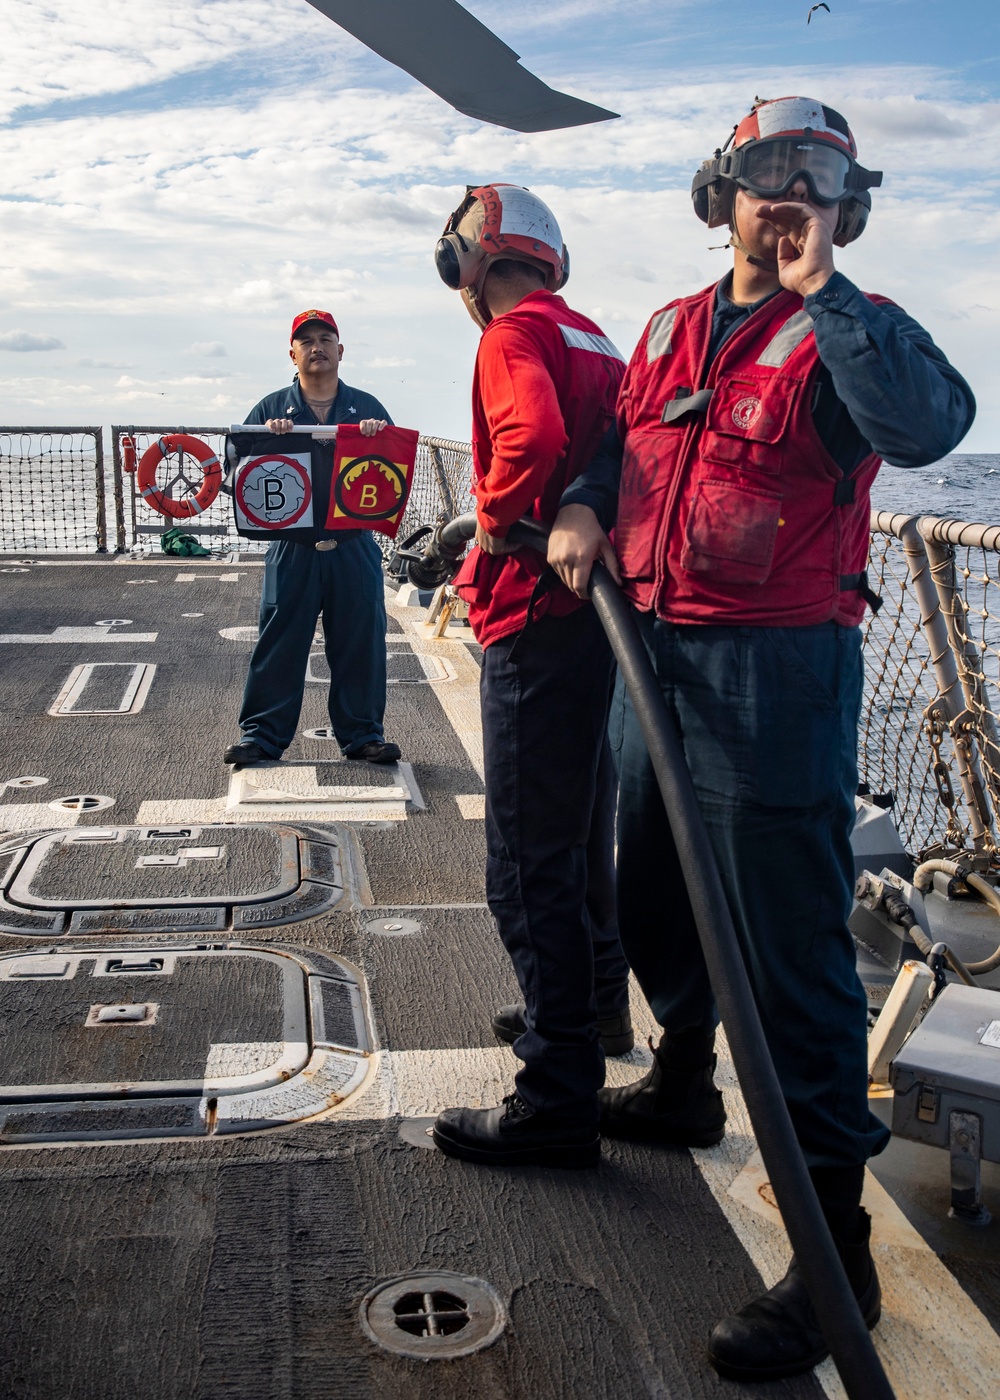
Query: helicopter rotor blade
[[446, 48]]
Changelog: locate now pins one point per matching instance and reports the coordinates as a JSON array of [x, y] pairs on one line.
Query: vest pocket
[[731, 532], [747, 423], [647, 473]]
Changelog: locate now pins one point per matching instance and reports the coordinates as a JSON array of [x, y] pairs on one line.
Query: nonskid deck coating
[[235, 1268]]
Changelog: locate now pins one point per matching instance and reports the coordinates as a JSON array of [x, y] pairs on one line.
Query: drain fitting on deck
[[430, 1315]]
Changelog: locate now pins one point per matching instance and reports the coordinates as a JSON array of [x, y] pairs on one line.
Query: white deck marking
[[460, 699], [77, 634], [186, 811], [135, 687], [185, 578], [472, 805], [34, 816]]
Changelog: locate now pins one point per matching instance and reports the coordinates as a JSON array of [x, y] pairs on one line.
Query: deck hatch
[[135, 869], [138, 880], [243, 1034], [105, 688]]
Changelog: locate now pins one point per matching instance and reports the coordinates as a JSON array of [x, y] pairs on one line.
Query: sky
[[179, 178]]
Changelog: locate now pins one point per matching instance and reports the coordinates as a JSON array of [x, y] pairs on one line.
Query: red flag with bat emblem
[[371, 479]]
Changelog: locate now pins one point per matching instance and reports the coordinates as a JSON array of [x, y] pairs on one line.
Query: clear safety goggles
[[768, 169]]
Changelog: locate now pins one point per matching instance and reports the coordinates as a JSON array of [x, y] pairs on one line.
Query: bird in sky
[[820, 6]]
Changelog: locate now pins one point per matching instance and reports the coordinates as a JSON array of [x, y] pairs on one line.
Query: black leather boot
[[778, 1334], [676, 1102], [615, 1031], [516, 1135]]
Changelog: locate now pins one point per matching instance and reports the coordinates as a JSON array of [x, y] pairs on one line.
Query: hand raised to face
[[805, 243]]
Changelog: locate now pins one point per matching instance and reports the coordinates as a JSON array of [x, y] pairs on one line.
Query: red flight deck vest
[[731, 510]]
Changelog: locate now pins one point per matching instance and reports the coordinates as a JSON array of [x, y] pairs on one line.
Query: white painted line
[[420, 1083], [77, 634], [34, 816], [460, 700], [227, 578], [472, 805], [185, 578], [188, 811]]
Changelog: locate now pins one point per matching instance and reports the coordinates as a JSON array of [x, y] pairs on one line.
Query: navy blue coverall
[[768, 722], [345, 585]]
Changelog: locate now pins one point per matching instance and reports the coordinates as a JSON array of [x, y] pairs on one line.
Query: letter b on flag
[[274, 497]]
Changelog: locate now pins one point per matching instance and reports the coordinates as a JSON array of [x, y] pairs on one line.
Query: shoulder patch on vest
[[789, 338], [660, 330]]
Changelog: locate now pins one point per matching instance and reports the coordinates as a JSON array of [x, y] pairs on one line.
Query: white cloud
[[27, 340], [65, 51], [161, 233]]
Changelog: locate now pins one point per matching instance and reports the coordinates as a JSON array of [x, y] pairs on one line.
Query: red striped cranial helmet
[[778, 143], [496, 222]]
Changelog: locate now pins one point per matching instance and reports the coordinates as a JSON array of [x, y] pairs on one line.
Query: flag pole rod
[[316, 430]]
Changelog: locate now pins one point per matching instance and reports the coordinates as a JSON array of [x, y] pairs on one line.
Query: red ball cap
[[305, 316]]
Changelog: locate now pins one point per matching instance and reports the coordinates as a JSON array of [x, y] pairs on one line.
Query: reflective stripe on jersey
[[587, 340]]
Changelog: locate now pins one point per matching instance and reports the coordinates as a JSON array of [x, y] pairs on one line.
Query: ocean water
[[963, 486]]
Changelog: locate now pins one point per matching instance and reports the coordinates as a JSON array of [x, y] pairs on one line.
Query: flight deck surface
[[155, 1241]]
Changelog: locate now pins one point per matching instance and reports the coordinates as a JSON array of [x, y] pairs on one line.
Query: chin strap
[[472, 302], [735, 241]]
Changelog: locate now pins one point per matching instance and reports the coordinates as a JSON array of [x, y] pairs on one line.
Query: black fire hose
[[843, 1326]]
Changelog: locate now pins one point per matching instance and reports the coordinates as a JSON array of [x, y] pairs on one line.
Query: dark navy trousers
[[550, 796], [768, 720], [301, 582]]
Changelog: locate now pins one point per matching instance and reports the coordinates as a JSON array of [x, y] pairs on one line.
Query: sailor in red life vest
[[544, 392], [751, 423]]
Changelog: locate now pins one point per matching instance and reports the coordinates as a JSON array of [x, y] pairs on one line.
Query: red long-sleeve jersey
[[544, 391]]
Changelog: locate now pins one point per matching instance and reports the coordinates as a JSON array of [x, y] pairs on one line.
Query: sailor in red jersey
[[753, 418], [544, 392]]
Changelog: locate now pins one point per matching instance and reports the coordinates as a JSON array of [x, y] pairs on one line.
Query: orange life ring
[[190, 505]]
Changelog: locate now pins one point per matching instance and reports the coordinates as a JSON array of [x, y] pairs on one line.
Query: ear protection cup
[[458, 265], [853, 218], [446, 261], [563, 271], [711, 195], [699, 188]]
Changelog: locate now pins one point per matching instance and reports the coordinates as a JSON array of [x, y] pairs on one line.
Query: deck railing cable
[[52, 490], [932, 688], [929, 732], [441, 486]]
